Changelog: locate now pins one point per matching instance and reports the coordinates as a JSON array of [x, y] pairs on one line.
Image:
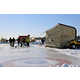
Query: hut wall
[[59, 35]]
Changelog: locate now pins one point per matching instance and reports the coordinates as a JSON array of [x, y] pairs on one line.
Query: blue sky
[[34, 24]]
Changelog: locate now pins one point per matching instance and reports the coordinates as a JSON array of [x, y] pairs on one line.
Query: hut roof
[[62, 25]]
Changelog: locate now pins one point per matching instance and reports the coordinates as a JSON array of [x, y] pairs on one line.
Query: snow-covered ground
[[38, 56]]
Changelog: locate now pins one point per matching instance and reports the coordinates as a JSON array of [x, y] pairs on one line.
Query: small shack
[[59, 35]]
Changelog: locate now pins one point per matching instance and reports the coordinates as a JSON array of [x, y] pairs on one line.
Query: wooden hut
[[59, 35]]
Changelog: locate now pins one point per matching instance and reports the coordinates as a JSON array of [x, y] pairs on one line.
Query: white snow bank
[[69, 52]]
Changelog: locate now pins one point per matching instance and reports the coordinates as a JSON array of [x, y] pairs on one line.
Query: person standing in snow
[[22, 42], [42, 41], [28, 40], [10, 41], [13, 42]]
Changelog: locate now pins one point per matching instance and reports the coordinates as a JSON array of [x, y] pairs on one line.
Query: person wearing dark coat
[[13, 42], [22, 42], [10, 41], [42, 41]]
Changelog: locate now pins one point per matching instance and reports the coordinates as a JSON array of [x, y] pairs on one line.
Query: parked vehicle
[[74, 44]]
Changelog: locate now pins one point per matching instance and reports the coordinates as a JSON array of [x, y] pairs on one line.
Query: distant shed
[[59, 35]]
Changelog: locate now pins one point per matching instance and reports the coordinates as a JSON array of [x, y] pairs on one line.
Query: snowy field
[[38, 56]]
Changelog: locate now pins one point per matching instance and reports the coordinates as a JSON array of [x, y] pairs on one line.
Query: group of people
[[12, 41], [24, 41]]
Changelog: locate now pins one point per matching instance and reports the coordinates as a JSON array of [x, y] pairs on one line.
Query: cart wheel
[[74, 46]]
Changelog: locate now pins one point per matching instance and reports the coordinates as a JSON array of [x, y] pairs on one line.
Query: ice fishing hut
[[59, 35]]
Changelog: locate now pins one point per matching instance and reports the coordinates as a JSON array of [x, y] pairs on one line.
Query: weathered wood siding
[[59, 35]]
